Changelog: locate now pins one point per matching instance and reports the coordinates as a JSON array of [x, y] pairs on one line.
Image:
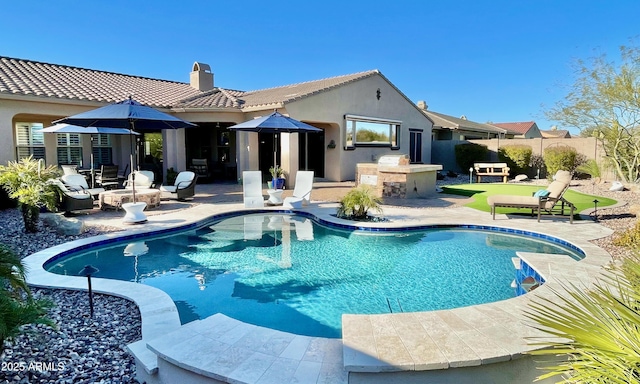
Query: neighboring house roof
[[450, 122], [32, 78], [520, 128], [556, 133]]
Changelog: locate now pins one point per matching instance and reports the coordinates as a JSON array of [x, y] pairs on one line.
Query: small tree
[[26, 181], [603, 103], [355, 205]]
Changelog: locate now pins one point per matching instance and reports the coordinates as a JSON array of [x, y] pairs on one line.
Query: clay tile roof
[[520, 128], [34, 78], [287, 93]]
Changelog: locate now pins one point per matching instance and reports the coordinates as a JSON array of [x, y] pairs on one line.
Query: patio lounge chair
[[301, 191], [252, 189], [77, 182], [143, 180], [544, 200], [182, 188], [72, 200]]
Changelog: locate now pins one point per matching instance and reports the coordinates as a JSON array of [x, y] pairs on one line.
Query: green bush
[[469, 153], [517, 157], [355, 205], [560, 158]]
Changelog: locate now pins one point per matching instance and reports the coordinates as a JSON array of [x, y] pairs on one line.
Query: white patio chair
[[252, 189], [143, 180], [183, 187], [301, 191]]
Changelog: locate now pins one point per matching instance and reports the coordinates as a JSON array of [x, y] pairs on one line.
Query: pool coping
[[371, 343]]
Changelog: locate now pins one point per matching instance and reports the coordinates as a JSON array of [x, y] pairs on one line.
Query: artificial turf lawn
[[480, 192]]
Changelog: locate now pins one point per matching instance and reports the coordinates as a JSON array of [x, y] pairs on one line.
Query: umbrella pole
[[93, 171], [133, 174]]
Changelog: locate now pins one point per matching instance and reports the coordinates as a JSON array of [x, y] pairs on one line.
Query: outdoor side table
[[275, 196]]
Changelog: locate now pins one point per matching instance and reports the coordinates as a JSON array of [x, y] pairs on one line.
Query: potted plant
[[27, 182], [276, 175]]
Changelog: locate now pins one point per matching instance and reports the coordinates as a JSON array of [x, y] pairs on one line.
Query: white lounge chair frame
[[301, 191], [252, 189]]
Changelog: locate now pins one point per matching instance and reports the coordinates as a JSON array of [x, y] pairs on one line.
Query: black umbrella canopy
[[274, 123], [127, 114]]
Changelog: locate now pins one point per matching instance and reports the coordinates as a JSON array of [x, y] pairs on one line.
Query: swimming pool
[[288, 273]]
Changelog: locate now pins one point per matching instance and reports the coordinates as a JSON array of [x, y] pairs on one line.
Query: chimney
[[201, 77], [422, 105]]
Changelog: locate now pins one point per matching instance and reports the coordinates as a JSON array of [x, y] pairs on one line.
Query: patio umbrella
[[275, 123], [128, 114], [67, 128]]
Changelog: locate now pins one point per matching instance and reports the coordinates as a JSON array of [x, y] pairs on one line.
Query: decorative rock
[[66, 226], [616, 186], [521, 177], [634, 209]]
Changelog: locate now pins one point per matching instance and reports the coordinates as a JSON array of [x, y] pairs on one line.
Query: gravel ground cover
[[91, 350]]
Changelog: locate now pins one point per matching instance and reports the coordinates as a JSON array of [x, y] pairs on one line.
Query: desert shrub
[[630, 238], [560, 158], [517, 157], [469, 153], [355, 205]]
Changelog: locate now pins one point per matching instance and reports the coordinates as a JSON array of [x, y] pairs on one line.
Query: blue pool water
[[288, 273]]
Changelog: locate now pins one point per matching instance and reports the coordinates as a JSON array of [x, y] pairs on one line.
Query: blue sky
[[493, 60]]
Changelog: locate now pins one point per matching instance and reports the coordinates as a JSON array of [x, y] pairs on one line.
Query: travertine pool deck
[[220, 349]]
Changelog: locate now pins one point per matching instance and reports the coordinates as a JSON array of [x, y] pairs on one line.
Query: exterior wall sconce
[[378, 94], [332, 144]]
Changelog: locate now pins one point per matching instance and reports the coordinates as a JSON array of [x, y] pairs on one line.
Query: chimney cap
[[198, 66]]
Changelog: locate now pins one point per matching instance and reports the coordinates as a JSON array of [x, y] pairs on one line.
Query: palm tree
[[27, 182], [355, 205], [595, 331], [17, 305]]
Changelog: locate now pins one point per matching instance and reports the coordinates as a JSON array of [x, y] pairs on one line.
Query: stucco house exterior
[[362, 116]]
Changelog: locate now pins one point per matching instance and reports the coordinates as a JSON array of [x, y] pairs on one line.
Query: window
[[69, 149], [415, 145], [367, 131], [102, 153], [29, 140]]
